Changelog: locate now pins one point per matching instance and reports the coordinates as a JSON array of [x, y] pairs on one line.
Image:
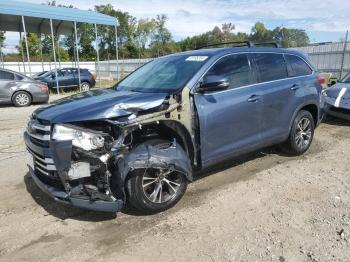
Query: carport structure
[[44, 19]]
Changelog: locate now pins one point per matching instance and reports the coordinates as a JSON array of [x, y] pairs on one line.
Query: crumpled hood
[[334, 91], [98, 104]]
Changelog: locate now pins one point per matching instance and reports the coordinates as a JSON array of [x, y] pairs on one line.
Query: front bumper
[[63, 197], [58, 155], [341, 111]]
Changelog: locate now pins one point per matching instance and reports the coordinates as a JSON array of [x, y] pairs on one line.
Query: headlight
[[324, 93], [79, 138]]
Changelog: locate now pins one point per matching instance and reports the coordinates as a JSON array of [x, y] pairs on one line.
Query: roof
[[37, 17]]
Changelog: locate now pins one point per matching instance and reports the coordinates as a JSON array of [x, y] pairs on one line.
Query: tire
[[143, 183], [301, 134], [21, 99], [85, 86]]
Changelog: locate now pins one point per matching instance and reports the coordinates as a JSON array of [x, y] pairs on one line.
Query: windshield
[[346, 79], [163, 75]]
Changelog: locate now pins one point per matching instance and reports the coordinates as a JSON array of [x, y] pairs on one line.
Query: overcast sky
[[323, 20]]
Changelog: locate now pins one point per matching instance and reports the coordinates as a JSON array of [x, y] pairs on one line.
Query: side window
[[19, 77], [271, 66], [298, 66], [235, 68], [4, 75]]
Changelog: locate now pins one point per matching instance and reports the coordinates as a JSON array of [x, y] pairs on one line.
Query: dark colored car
[[68, 78], [142, 141], [21, 90], [337, 99]]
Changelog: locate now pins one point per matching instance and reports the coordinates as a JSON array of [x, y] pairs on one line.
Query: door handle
[[295, 87], [253, 98]]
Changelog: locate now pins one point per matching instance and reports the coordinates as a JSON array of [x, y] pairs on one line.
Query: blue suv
[[142, 141], [67, 78]]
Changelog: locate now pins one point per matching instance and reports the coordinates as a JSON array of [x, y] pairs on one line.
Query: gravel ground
[[261, 207]]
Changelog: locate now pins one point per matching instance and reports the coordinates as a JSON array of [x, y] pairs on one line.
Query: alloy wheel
[[85, 87], [303, 133], [160, 186]]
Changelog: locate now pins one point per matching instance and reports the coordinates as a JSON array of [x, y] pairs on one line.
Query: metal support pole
[[58, 52], [22, 53], [343, 56], [116, 51], [27, 49], [97, 58], [77, 52], [1, 57], [54, 56], [41, 52]]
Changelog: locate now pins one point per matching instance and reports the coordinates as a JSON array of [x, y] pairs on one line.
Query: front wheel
[[301, 134], [152, 190]]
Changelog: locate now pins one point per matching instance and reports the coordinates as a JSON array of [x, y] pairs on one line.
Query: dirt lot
[[261, 207]]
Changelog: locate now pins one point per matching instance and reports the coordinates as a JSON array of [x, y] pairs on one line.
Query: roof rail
[[241, 44]]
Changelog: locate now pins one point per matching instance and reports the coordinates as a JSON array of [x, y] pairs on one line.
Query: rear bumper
[[63, 197], [41, 98]]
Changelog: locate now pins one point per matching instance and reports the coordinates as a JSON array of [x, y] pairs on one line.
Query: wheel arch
[[311, 107]]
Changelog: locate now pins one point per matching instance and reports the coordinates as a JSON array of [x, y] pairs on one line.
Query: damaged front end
[[86, 163]]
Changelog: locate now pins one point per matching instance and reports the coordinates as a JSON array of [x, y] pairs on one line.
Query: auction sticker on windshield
[[197, 58]]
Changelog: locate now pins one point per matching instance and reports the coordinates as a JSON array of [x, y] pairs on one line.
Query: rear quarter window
[[271, 66], [297, 66]]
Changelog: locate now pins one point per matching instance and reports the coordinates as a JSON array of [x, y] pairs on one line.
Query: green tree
[[260, 33], [2, 38], [33, 45], [144, 32], [126, 29]]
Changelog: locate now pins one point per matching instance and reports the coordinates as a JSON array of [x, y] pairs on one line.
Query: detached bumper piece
[[62, 197]]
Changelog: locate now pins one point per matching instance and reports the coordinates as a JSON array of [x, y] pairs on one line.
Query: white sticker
[[341, 94], [197, 58]]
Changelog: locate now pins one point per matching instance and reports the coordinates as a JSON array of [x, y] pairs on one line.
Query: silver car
[[21, 90], [337, 99]]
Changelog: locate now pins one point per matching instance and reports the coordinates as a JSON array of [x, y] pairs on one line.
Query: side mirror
[[53, 76], [213, 83]]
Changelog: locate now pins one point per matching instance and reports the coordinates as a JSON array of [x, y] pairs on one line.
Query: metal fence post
[[77, 52], [116, 51], [54, 56], [97, 58], [26, 42], [343, 56]]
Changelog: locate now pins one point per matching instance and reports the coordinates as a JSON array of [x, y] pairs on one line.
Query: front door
[[230, 120]]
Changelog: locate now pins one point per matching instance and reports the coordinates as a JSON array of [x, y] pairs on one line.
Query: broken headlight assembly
[[80, 138]]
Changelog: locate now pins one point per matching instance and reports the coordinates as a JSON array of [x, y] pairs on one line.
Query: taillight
[[43, 87], [322, 81]]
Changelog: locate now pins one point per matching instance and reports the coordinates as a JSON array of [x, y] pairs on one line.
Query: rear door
[[7, 84], [229, 120], [67, 78], [281, 95]]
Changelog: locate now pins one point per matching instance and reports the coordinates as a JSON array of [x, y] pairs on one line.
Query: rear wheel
[[153, 190], [301, 134], [85, 86], [21, 99]]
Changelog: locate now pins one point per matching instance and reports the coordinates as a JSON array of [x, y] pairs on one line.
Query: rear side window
[[19, 77], [297, 66], [4, 75], [235, 68], [271, 66]]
